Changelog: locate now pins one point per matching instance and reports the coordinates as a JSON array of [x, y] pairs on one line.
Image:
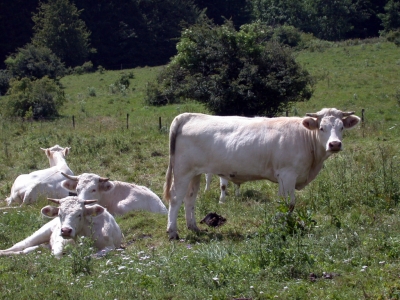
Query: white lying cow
[[74, 217], [118, 197], [286, 150], [223, 184], [28, 187]]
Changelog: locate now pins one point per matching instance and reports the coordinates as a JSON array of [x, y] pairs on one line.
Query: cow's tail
[[173, 132]]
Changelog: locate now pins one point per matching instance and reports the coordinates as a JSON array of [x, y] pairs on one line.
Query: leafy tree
[[35, 62], [5, 78], [59, 28], [391, 17], [233, 72], [329, 20], [134, 32], [38, 99], [15, 25]]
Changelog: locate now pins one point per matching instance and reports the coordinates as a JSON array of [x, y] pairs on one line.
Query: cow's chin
[[66, 237], [333, 151]]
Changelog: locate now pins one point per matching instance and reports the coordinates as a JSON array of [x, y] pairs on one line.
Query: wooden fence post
[[73, 121], [127, 121], [159, 123]]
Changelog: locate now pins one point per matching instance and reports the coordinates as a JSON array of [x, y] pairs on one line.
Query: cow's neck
[[57, 159], [319, 155]]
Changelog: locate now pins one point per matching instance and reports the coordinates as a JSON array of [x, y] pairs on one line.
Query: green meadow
[[341, 242]]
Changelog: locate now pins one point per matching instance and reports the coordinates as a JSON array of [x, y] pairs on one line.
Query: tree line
[[226, 54], [138, 33]]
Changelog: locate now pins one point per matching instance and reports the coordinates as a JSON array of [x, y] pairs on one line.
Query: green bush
[[234, 72], [287, 35], [394, 37], [35, 62], [38, 99], [5, 77]]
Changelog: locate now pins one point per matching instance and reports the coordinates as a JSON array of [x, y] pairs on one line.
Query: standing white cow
[[286, 150], [117, 196], [223, 184], [74, 217], [28, 187]]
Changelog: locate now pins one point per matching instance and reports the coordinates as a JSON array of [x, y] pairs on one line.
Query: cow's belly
[[241, 178]]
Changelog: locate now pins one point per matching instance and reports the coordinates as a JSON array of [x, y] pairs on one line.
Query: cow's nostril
[[335, 146], [66, 231]]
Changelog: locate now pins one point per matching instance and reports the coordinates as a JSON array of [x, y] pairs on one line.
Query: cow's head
[[72, 212], [330, 123], [87, 185], [55, 153]]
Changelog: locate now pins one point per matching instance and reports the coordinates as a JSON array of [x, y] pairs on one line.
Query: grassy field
[[342, 241]]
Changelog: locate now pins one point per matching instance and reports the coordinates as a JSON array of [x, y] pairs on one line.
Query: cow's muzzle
[[335, 146], [66, 232]]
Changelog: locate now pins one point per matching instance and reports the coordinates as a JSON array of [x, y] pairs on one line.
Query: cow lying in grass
[[118, 197], [73, 218], [47, 182]]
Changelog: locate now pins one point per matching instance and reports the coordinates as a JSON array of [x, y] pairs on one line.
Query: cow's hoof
[[173, 236]]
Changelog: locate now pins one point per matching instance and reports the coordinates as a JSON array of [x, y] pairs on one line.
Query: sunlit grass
[[344, 229]]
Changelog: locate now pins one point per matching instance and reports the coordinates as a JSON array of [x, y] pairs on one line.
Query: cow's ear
[[69, 185], [48, 153], [310, 123], [93, 210], [50, 211], [350, 121], [66, 151], [106, 186]]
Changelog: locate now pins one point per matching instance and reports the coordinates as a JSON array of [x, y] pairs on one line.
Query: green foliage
[[5, 78], [234, 72], [59, 28], [328, 20], [394, 37], [391, 17], [35, 62], [41, 98]]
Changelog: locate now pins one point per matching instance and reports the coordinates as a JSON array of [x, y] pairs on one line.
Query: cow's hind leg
[[178, 192], [190, 201]]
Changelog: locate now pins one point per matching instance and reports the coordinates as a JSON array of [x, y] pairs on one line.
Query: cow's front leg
[[190, 201], [287, 183]]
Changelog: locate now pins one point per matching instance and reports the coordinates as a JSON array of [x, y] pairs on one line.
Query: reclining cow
[[118, 197], [286, 150], [74, 217], [27, 188]]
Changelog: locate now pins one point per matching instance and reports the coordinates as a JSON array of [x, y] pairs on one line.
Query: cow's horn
[[312, 115], [75, 178], [89, 201], [44, 149], [54, 200], [349, 113], [103, 179]]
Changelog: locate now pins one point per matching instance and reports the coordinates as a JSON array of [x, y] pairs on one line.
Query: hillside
[[340, 243]]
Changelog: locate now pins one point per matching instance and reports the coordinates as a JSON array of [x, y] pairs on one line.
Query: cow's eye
[[321, 129], [93, 190]]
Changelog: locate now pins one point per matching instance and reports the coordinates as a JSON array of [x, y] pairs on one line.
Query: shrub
[[38, 99], [394, 37], [35, 62], [287, 35], [5, 77], [233, 72]]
